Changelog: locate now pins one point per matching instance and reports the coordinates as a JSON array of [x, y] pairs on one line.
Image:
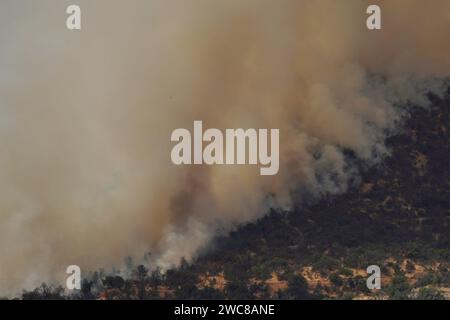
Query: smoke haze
[[86, 116]]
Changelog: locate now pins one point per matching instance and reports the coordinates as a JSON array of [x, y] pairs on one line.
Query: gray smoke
[[86, 117]]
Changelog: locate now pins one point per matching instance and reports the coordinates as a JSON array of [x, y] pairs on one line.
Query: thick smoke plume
[[86, 116]]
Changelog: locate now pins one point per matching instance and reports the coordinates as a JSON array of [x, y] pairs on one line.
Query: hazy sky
[[86, 116]]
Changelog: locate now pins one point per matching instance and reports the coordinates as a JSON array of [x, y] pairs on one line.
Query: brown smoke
[[86, 117]]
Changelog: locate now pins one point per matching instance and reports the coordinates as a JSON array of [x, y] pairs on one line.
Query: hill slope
[[397, 218]]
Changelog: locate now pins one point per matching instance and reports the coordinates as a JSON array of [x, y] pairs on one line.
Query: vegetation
[[397, 217]]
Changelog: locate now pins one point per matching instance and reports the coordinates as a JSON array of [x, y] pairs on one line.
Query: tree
[[141, 273], [187, 291], [44, 292], [336, 280], [325, 264], [113, 282], [298, 288], [86, 290], [141, 278], [399, 289], [156, 278], [429, 294], [237, 290]]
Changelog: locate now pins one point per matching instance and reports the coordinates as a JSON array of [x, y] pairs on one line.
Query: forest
[[397, 217]]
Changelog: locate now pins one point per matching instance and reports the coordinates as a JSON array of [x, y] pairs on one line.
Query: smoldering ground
[[86, 116]]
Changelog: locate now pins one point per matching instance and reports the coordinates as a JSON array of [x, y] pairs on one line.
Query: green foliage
[[297, 289], [348, 296], [325, 264], [399, 288], [438, 278], [346, 272], [417, 251], [336, 280], [356, 284], [44, 292], [261, 271], [429, 294], [403, 216], [237, 290]]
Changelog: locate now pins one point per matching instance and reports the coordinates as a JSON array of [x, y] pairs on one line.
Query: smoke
[[86, 117]]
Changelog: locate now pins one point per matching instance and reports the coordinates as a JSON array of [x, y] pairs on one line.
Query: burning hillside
[[87, 117]]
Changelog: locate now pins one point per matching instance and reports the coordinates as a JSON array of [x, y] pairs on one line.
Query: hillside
[[397, 218]]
